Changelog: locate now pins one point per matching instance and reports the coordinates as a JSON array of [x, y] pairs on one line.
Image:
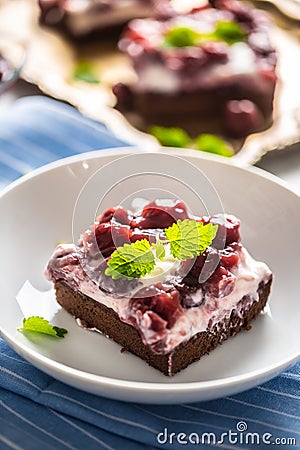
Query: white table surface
[[285, 164]]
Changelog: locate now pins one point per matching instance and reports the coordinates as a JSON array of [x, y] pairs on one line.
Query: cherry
[[157, 323], [104, 238], [156, 215], [117, 215], [120, 286], [220, 284], [216, 50], [122, 216], [107, 215], [124, 96], [202, 268], [150, 235], [186, 299], [228, 230], [110, 236], [162, 300], [242, 117], [229, 257]]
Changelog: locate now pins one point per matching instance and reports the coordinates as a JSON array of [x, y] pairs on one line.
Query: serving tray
[[52, 59]]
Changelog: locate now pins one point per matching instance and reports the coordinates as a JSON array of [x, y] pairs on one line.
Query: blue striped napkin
[[37, 411]]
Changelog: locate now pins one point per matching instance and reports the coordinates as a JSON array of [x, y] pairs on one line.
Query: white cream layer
[[159, 78]]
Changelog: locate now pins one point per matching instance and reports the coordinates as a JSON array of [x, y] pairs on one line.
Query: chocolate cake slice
[[81, 18], [210, 68], [178, 312]]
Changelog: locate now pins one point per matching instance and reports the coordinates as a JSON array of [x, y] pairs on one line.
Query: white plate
[[36, 212]]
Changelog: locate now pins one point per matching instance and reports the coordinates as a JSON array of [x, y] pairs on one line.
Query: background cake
[[211, 65], [82, 17]]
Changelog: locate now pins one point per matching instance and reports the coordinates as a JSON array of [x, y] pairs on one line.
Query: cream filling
[[162, 270], [159, 78], [249, 274]]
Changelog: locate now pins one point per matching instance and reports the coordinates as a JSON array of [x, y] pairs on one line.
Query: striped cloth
[[37, 411]]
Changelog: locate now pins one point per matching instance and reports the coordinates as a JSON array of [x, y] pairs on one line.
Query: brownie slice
[[96, 315], [86, 18], [178, 311], [208, 69]]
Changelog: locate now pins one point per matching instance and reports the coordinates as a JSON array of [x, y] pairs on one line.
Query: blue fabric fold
[[37, 411], [37, 131]]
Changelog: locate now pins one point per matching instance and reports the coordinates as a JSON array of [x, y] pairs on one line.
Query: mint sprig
[[179, 36], [187, 239], [177, 137], [132, 260], [229, 32], [210, 143], [170, 137], [84, 71], [40, 325], [182, 36]]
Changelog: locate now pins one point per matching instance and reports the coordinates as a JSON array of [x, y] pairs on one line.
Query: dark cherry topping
[[203, 267], [156, 215], [118, 287], [186, 299], [220, 284], [104, 238], [228, 230], [162, 301], [229, 257], [242, 117], [208, 274], [106, 216], [124, 96], [216, 50], [117, 215], [148, 234], [109, 236], [122, 216]]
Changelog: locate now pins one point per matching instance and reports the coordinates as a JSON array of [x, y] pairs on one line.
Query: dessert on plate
[[82, 17], [213, 64], [169, 287]]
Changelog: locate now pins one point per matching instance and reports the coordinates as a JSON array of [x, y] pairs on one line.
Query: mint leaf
[[170, 137], [207, 233], [212, 144], [181, 37], [132, 260], [84, 71], [229, 31], [160, 251], [41, 325], [189, 238]]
